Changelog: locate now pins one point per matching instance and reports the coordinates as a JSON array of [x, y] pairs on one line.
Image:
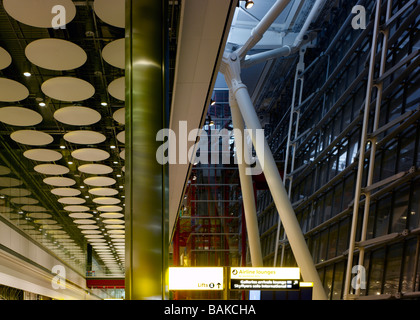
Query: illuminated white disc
[[71, 200], [51, 227], [18, 116], [42, 155], [90, 154], [4, 170], [103, 191], [106, 200], [119, 115], [111, 215], [116, 231], [110, 208], [9, 182], [33, 208], [91, 232], [41, 13], [76, 208], [55, 54], [24, 200], [114, 53], [77, 116], [96, 240], [121, 137], [113, 221], [122, 154], [111, 12], [80, 215], [39, 215], [15, 192], [117, 88], [95, 168], [32, 137], [88, 226], [99, 181], [59, 181], [84, 137], [5, 59], [117, 236], [53, 169], [94, 236], [84, 221], [66, 192], [11, 90], [68, 89], [115, 226]]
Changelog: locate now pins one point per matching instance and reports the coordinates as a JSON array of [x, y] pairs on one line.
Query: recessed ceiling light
[[104, 104], [70, 162], [62, 147], [42, 104], [27, 74], [249, 4], [112, 147]]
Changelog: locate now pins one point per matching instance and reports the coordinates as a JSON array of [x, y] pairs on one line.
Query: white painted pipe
[[265, 23], [280, 197], [265, 56], [311, 17], [247, 188]]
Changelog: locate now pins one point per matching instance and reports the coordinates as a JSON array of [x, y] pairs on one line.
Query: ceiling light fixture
[[27, 74], [249, 4], [104, 104]]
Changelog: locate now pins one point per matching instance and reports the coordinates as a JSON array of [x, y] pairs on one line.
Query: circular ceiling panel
[[24, 200], [4, 170], [116, 231], [5, 209], [39, 215], [53, 169], [71, 200], [76, 208], [55, 54], [111, 12], [77, 116], [94, 236], [95, 169], [68, 89], [15, 192], [43, 155], [84, 221], [122, 154], [113, 221], [103, 191], [114, 226], [119, 115], [80, 215], [66, 192], [41, 13], [121, 137], [87, 226], [32, 137], [114, 53], [84, 137], [5, 59], [18, 116], [99, 181], [9, 182], [106, 200], [90, 154], [111, 215], [117, 88], [33, 208], [45, 221], [59, 181], [11, 90], [91, 232], [110, 208]]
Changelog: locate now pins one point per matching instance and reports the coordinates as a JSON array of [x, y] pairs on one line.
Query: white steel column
[[231, 70], [363, 140], [247, 188]]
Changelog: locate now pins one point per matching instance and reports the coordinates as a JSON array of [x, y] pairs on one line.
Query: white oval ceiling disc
[[15, 192], [80, 215], [42, 155], [5, 59], [9, 182], [55, 54], [111, 12], [122, 154], [103, 191], [121, 137], [84, 221], [24, 200], [114, 53], [106, 200], [4, 170], [53, 169], [119, 115], [95, 168], [68, 89], [91, 232], [90, 154], [87, 226], [117, 88], [113, 221], [41, 13], [32, 137], [99, 181], [77, 116], [76, 208], [11, 90], [33, 208], [39, 215], [84, 137], [109, 208], [18, 116], [59, 181], [111, 215], [71, 200], [66, 192]]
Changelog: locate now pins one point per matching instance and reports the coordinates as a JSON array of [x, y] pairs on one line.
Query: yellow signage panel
[[196, 278]]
